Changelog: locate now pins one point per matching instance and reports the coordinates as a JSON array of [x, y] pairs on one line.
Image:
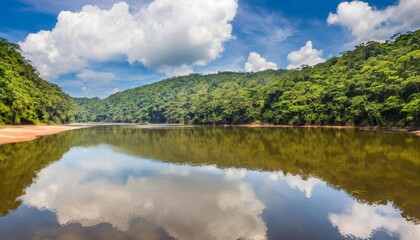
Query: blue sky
[[112, 46]]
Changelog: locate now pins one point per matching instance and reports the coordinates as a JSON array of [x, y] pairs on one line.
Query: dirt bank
[[10, 134]]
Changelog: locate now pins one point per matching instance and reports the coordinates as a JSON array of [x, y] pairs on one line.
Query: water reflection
[[211, 183], [296, 182], [187, 202], [362, 220]]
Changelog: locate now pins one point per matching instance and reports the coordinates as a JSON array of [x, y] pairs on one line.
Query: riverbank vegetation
[[375, 84], [25, 98]]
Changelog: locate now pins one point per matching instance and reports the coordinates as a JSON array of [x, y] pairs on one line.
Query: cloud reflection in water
[[187, 202], [362, 220], [297, 182]]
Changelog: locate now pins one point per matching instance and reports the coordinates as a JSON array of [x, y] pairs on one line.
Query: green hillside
[[374, 84], [24, 97]]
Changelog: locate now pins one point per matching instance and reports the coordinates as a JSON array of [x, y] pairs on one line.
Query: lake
[[127, 182]]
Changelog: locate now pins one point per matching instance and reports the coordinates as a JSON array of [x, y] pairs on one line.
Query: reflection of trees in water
[[186, 202], [20, 163], [374, 167]]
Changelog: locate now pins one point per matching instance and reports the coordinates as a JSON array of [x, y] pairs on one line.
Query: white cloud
[[362, 220], [168, 36], [95, 76], [367, 23], [257, 63], [306, 55], [173, 198]]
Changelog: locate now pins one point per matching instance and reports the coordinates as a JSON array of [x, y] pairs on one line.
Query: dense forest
[[374, 84], [25, 98]]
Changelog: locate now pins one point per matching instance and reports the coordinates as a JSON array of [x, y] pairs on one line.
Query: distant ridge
[[374, 84]]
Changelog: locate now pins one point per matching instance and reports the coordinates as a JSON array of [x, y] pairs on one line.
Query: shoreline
[[23, 133], [415, 132], [408, 130]]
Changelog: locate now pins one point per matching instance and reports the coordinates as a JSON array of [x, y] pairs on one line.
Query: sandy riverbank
[[11, 134]]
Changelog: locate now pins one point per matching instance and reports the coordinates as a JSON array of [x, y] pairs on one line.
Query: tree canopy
[[374, 84], [25, 98]]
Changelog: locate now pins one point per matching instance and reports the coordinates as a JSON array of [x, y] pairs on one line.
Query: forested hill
[[374, 84], [24, 97]]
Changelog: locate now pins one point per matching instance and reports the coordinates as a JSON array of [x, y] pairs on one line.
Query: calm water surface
[[211, 183]]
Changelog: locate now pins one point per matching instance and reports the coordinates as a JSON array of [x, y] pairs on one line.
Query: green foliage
[[24, 97], [90, 110], [20, 164], [375, 84]]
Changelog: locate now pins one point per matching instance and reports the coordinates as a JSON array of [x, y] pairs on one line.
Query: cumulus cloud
[[168, 36], [362, 220], [306, 55], [257, 63], [186, 202], [368, 23]]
